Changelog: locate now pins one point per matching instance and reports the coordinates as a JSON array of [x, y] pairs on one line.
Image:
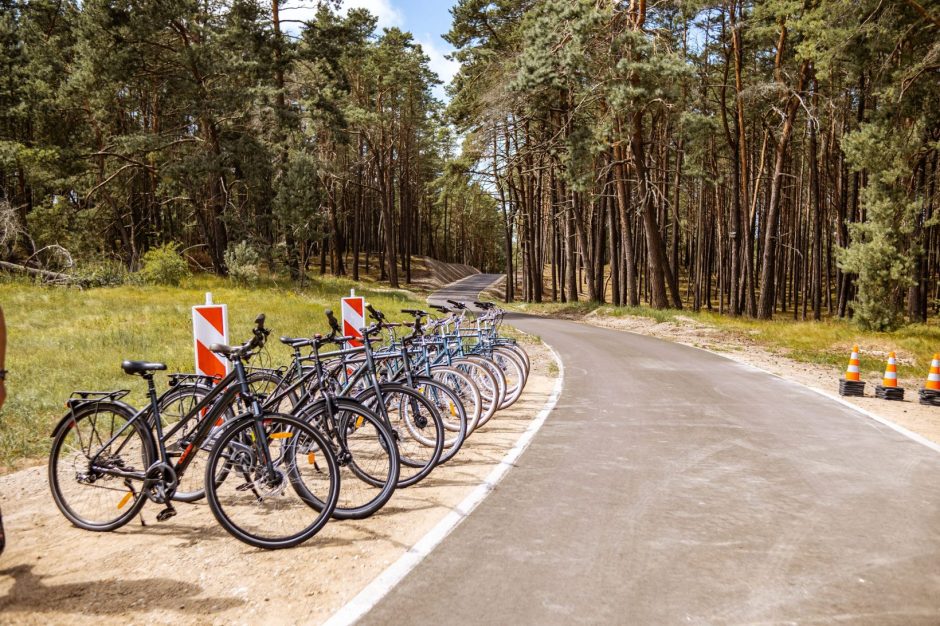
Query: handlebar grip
[[334, 323]]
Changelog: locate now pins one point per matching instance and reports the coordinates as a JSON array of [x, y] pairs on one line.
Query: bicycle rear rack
[[78, 398]]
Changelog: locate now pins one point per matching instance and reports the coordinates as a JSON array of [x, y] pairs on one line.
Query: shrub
[[103, 273], [164, 265], [242, 263]]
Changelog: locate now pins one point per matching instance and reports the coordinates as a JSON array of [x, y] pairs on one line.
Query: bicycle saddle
[[296, 342], [141, 367]]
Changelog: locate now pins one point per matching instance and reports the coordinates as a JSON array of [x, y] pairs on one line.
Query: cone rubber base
[[851, 387], [929, 397], [889, 393]]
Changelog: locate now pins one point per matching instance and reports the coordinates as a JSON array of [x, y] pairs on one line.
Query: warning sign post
[[210, 325], [353, 309]]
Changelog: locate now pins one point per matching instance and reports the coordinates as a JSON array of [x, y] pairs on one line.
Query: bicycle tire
[[466, 388], [452, 411], [64, 473], [497, 374], [238, 447], [363, 489], [487, 384], [514, 371], [417, 460]]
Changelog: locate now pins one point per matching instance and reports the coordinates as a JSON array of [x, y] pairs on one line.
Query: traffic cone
[[852, 384], [930, 394], [888, 389]]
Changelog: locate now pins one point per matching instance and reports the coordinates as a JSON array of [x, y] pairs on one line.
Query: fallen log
[[47, 275]]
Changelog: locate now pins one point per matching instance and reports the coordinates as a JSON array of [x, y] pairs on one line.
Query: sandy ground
[[188, 570], [923, 420]]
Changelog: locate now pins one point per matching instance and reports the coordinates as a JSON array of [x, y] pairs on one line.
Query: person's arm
[[3, 353]]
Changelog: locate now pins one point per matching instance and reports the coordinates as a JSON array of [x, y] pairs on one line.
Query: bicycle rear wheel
[[417, 427], [280, 484], [81, 456], [497, 375]]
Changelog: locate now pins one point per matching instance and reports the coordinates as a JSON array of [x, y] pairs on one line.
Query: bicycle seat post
[[154, 406]]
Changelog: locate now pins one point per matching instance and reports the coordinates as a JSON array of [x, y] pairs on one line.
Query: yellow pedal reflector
[[453, 409], [127, 498], [312, 458], [281, 435], [359, 421]]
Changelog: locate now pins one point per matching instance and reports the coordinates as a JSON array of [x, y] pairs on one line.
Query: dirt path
[[923, 420], [188, 570]]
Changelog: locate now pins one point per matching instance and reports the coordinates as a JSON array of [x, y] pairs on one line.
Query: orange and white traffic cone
[[930, 394], [852, 384], [888, 389]]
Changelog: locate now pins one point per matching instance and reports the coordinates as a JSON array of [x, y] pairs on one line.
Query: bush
[[164, 265], [103, 273], [242, 263]]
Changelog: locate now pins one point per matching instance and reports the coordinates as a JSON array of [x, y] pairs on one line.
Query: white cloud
[[383, 9], [445, 68], [302, 10]]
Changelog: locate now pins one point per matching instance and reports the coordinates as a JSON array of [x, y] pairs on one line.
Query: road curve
[[671, 485], [465, 289]]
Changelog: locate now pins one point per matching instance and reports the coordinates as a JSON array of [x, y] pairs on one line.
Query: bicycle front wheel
[[272, 482]]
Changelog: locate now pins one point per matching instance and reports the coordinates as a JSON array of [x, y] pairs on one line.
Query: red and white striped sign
[[210, 325], [353, 309]]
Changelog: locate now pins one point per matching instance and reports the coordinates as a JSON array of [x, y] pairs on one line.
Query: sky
[[427, 20]]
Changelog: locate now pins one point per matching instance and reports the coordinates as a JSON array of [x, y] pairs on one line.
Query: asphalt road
[[670, 486]]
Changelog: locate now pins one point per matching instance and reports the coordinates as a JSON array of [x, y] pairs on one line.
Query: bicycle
[[108, 459]]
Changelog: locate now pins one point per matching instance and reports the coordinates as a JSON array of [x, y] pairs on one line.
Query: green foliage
[[882, 252], [242, 261], [164, 265], [104, 273], [297, 201], [127, 124]]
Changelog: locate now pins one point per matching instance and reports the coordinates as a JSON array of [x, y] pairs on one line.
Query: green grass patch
[[60, 340]]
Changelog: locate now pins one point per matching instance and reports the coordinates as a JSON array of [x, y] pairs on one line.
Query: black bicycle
[[271, 480]]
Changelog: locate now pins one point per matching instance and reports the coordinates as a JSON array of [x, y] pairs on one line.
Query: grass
[[60, 340], [826, 342]]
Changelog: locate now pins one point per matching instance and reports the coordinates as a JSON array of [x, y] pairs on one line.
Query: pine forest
[[776, 158]]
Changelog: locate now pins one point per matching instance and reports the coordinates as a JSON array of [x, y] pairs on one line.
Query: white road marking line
[[394, 573]]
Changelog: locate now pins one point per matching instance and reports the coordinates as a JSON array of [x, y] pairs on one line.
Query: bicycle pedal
[[244, 487], [166, 514]]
